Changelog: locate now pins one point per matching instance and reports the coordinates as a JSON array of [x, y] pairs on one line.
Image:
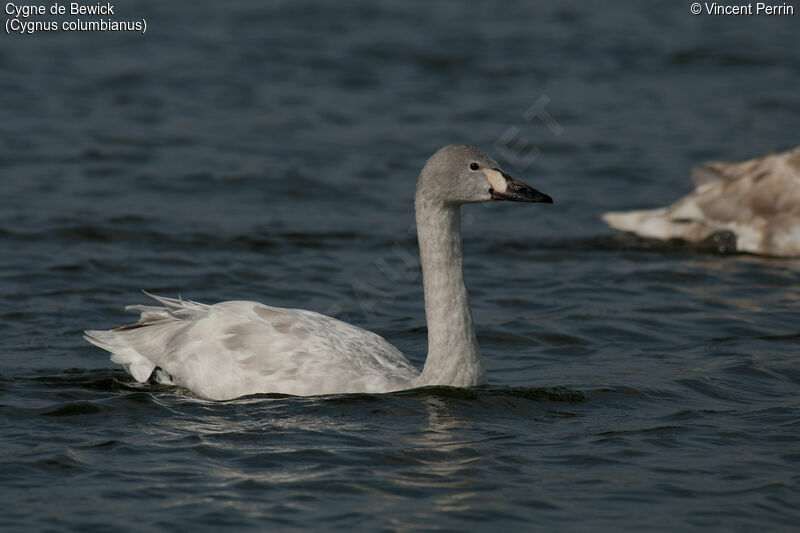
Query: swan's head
[[460, 174]]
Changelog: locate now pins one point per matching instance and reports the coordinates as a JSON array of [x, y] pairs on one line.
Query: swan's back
[[236, 348]]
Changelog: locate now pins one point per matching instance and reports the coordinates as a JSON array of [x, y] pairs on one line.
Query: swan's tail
[[135, 364], [138, 346]]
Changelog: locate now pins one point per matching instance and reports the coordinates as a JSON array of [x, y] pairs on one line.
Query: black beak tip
[[532, 195]]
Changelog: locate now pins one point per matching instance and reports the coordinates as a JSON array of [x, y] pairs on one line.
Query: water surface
[[269, 151]]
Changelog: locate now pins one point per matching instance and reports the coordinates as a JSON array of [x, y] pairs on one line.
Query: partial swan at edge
[[757, 201], [237, 348]]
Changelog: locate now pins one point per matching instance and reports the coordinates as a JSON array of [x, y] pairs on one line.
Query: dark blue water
[[269, 150]]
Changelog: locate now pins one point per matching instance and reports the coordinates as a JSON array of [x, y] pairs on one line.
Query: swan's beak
[[504, 187]]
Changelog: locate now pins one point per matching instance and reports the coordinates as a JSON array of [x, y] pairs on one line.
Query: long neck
[[453, 355]]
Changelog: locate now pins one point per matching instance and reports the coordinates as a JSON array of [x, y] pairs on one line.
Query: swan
[[757, 202], [237, 348]]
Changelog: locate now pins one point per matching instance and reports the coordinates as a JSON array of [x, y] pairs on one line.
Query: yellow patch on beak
[[495, 179]]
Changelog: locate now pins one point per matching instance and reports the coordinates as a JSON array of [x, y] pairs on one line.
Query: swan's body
[[756, 201], [233, 349]]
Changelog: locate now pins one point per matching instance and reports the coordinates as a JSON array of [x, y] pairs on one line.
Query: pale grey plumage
[[232, 349]]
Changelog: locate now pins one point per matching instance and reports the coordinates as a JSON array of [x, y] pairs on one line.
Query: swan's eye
[[474, 166]]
